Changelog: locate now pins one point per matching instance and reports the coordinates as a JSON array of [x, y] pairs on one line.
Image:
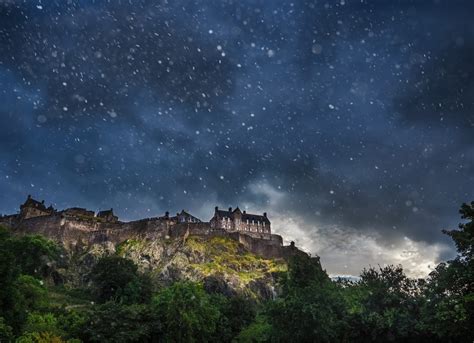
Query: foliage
[[228, 258], [464, 237], [448, 312], [32, 293], [258, 331], [38, 322], [236, 313], [6, 331], [186, 313], [20, 293], [312, 302], [32, 253], [117, 278], [114, 322], [384, 305]]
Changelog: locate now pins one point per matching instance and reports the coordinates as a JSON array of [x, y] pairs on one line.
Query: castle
[[237, 220], [81, 225]]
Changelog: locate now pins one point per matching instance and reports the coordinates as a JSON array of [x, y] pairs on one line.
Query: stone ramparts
[[72, 231]]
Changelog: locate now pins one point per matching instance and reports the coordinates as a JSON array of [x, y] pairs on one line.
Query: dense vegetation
[[123, 305]]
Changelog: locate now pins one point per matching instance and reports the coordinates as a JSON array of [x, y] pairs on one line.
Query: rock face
[[222, 264], [225, 262]]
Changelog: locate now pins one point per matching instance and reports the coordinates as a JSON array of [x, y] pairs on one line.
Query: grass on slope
[[227, 256]]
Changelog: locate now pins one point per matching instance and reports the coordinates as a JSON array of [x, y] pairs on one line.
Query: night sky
[[350, 122]]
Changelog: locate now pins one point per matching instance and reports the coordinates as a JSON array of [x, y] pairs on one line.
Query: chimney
[[29, 196], [265, 214], [245, 212], [230, 209], [42, 201], [167, 214], [216, 208]]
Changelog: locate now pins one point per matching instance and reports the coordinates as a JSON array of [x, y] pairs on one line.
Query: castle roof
[[244, 215], [105, 213], [30, 202], [187, 215]]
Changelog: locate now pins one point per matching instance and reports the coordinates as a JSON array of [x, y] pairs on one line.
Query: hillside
[[218, 262]]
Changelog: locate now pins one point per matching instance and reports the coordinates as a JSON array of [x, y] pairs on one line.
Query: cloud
[[345, 251], [324, 113]]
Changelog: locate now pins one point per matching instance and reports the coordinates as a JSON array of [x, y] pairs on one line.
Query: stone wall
[[73, 231]]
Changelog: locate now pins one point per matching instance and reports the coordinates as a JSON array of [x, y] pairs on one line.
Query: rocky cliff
[[227, 262]]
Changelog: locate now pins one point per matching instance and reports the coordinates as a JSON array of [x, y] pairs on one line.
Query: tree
[[42, 328], [448, 312], [258, 331], [464, 237], [117, 278], [186, 313], [32, 252], [20, 293], [114, 322], [310, 308], [236, 312], [383, 306], [6, 331]]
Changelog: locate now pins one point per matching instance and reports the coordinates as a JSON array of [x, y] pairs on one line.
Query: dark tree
[[118, 279]]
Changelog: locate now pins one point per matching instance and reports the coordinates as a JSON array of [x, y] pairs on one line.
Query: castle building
[[185, 217], [237, 220], [108, 216], [78, 212], [34, 208]]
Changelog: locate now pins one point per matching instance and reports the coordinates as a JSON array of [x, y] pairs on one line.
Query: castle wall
[[74, 231], [30, 212], [9, 221]]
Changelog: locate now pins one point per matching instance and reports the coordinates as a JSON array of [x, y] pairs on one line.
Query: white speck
[[185, 192], [252, 114], [64, 84], [197, 132], [40, 7], [331, 192], [239, 65], [317, 49], [211, 32], [331, 106], [270, 53], [65, 109], [219, 47], [222, 177], [112, 113]]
